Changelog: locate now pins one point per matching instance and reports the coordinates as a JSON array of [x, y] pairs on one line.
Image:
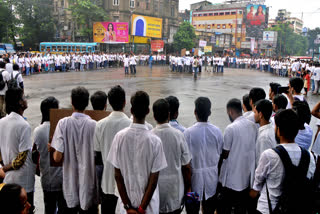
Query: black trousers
[[78, 210], [30, 199], [208, 206], [174, 212], [233, 200], [108, 203], [54, 200]]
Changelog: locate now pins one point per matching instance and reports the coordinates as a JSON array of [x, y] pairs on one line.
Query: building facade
[[285, 17]]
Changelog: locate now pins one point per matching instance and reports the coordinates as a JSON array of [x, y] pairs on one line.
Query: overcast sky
[[310, 9]]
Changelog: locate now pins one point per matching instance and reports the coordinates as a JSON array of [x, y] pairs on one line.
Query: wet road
[[158, 83]]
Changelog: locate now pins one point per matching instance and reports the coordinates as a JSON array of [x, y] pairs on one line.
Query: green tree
[[312, 35], [7, 22], [85, 12], [184, 38], [36, 21], [289, 43]]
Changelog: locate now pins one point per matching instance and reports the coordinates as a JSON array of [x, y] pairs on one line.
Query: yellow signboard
[[146, 26], [139, 40], [207, 49]]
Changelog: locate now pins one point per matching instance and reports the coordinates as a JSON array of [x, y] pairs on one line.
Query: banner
[[269, 36], [157, 45], [183, 52], [252, 41], [146, 26], [256, 20], [202, 43], [208, 49], [111, 32]]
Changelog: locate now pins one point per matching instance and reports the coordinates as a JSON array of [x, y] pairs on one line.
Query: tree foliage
[[312, 35], [289, 43], [7, 22], [184, 38], [85, 12]]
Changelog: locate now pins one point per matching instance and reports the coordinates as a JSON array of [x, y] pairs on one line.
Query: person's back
[[73, 140]]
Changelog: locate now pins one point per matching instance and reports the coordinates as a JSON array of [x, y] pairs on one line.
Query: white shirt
[[4, 76], [137, 152], [15, 135], [104, 133], [271, 170], [177, 125], [51, 177], [316, 144], [317, 74], [205, 143], [240, 140], [266, 140], [74, 138], [171, 183], [126, 62]]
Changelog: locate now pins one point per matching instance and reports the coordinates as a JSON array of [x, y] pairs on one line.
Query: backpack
[[297, 191], [13, 82], [2, 82]]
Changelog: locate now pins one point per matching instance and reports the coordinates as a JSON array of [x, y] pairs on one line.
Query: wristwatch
[[126, 206]]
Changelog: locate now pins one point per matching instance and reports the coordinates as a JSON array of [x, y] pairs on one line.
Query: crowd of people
[[265, 161]]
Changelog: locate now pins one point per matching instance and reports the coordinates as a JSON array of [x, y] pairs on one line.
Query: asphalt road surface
[[158, 83]]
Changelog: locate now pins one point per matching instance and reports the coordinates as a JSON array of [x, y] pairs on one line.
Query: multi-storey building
[[285, 17]]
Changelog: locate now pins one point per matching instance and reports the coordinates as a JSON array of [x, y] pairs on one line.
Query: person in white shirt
[[104, 134], [237, 160], [126, 64], [246, 107], [175, 180], [270, 172], [266, 139], [137, 156], [16, 144], [174, 113], [316, 79], [133, 64], [279, 102], [12, 72], [51, 177], [3, 74], [205, 142], [73, 145], [294, 93], [255, 95]]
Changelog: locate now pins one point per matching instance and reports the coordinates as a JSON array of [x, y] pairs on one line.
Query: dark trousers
[[54, 200], [30, 200], [233, 200], [78, 210], [108, 204], [174, 212], [208, 206], [133, 69]]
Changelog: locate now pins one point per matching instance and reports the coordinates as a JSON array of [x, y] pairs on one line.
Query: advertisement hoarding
[[111, 32], [146, 26], [208, 49], [202, 43], [157, 45], [256, 20], [268, 36]]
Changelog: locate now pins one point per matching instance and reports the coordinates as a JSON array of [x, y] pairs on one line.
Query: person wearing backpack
[[14, 78], [284, 173], [3, 88]]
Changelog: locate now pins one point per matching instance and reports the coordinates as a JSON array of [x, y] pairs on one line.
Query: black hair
[[280, 101], [15, 67], [257, 13], [274, 87], [246, 102], [288, 123], [257, 94], [111, 25], [117, 98], [13, 98], [265, 107], [80, 98], [303, 110], [140, 104], [46, 105], [6, 60], [161, 110], [99, 100], [2, 64], [203, 108], [235, 104], [173, 106], [296, 83], [10, 198]]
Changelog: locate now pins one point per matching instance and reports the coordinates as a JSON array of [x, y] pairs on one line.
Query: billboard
[[146, 26], [111, 32], [202, 43], [157, 45], [256, 20], [207, 49]]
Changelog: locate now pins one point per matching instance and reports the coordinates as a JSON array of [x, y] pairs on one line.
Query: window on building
[[172, 12], [227, 13], [233, 13], [221, 14], [218, 26], [200, 15], [116, 2], [205, 14], [240, 12], [147, 6], [131, 3], [224, 26], [210, 14], [216, 14], [212, 25], [195, 15], [238, 39]]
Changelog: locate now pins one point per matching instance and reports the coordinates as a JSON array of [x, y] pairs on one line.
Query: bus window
[[78, 48], [89, 49], [48, 48], [42, 48]]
